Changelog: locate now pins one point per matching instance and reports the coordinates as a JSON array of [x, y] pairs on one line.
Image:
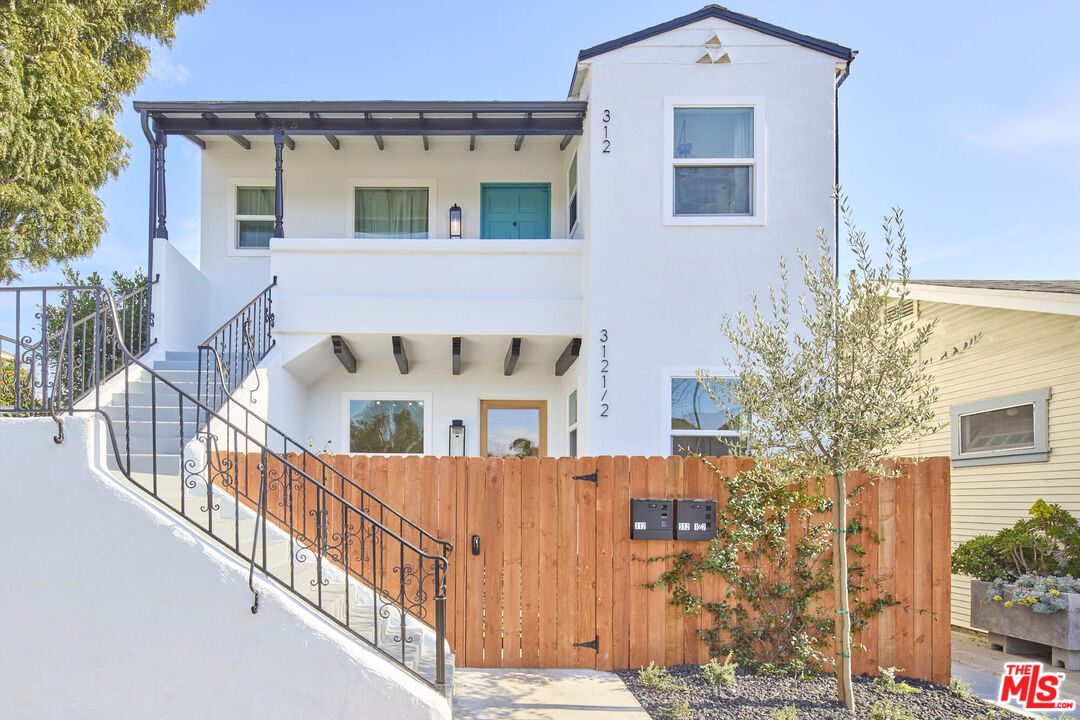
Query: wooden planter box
[[1019, 631]]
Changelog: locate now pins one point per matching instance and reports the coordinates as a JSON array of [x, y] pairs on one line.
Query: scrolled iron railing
[[234, 350], [229, 473]]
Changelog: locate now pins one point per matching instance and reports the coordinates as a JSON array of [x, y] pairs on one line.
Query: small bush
[[885, 710], [720, 673], [1047, 543], [886, 682], [677, 710], [657, 678], [784, 713], [960, 689]]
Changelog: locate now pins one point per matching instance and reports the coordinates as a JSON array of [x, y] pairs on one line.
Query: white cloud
[[1048, 132], [165, 69]]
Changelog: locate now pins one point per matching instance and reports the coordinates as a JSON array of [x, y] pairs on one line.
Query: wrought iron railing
[[44, 319], [234, 350], [291, 516]]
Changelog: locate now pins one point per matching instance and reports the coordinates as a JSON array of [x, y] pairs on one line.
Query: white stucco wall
[[116, 611], [181, 300], [659, 290]]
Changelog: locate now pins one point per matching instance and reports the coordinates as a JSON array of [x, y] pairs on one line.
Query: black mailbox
[[695, 519], [650, 519]]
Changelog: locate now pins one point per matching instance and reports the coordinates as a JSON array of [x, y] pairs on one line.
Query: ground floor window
[[387, 424], [702, 425], [1007, 429], [513, 428]]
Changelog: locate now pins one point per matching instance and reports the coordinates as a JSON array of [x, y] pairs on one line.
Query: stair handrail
[[440, 563], [237, 329]]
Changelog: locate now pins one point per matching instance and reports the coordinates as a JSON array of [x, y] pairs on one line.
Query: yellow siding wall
[[1018, 351]]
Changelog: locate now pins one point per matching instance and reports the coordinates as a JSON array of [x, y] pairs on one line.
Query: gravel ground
[[753, 697]]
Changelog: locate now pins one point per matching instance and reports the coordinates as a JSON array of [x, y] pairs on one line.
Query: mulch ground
[[756, 697]]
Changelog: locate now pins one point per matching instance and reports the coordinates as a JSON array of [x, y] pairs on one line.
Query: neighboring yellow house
[[1011, 403]]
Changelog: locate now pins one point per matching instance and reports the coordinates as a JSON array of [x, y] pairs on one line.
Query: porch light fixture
[[455, 221], [457, 438]]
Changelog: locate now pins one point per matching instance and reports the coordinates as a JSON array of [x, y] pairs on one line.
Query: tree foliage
[[65, 67]]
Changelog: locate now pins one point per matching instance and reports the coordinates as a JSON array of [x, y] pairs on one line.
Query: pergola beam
[[512, 355], [565, 141], [517, 143], [196, 140], [455, 356], [332, 139], [241, 141], [357, 125], [378, 138], [400, 356], [568, 357], [343, 353]]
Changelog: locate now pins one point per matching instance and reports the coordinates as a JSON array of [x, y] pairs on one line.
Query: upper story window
[[572, 197], [391, 212], [702, 425], [1008, 429], [714, 161], [254, 216]]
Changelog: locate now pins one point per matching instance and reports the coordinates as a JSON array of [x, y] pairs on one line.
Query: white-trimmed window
[[714, 161], [698, 424], [572, 197], [1010, 429], [387, 423], [254, 216], [571, 424]]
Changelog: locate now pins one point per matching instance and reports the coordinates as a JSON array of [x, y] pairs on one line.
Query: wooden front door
[[515, 211]]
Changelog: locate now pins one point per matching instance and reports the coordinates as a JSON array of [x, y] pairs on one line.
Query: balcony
[[441, 286]]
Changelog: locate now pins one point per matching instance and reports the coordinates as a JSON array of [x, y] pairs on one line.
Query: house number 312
[[606, 142], [604, 364]]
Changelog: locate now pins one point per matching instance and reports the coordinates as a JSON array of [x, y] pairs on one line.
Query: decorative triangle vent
[[714, 52]]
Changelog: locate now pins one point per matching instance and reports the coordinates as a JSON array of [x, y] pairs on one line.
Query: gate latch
[[593, 644], [593, 477]]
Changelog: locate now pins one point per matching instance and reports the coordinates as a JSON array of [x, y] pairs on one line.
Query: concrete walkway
[[974, 662], [486, 694]]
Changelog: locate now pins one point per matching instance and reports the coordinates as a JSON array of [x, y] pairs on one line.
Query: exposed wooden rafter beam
[[512, 355], [343, 353], [378, 138], [472, 138], [568, 358], [455, 356], [289, 142], [211, 119], [565, 141], [332, 139], [517, 143], [421, 116], [242, 141], [400, 356], [197, 140]]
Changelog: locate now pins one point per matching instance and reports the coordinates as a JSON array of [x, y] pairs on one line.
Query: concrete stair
[[346, 600]]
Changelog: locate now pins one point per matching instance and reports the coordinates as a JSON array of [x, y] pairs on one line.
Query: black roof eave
[[361, 106], [722, 13]]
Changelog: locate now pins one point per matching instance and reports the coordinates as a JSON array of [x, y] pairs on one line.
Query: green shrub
[[885, 710], [784, 713], [886, 682], [657, 678], [720, 673], [960, 689], [676, 710], [1047, 543]]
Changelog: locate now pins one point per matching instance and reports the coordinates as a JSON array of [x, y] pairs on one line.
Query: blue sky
[[963, 113]]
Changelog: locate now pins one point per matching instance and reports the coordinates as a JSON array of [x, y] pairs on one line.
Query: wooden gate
[[529, 550]]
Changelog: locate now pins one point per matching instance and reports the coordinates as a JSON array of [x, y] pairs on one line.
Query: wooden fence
[[556, 569]]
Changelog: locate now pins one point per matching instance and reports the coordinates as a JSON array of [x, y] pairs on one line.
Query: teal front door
[[515, 211]]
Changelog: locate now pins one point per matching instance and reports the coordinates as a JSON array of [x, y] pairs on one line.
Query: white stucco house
[[547, 273]]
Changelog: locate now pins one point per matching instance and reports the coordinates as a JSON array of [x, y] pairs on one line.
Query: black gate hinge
[[594, 644], [593, 477]]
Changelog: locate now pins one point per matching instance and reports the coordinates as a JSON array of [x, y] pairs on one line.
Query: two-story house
[[537, 277]]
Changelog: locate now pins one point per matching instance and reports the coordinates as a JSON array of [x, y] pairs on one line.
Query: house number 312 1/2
[[604, 364], [606, 142]]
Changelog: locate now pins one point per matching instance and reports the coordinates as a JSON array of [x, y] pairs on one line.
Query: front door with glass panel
[[513, 428], [515, 211]]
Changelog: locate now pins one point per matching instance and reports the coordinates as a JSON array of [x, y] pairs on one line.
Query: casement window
[[513, 428], [698, 424], [572, 197], [391, 212], [254, 216], [388, 423], [1010, 429], [571, 423], [714, 162]]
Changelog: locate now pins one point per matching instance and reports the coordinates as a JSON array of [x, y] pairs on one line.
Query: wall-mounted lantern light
[[457, 438], [455, 221]]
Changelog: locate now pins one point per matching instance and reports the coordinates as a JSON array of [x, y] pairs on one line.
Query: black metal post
[[159, 152], [279, 142]]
